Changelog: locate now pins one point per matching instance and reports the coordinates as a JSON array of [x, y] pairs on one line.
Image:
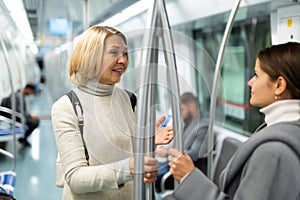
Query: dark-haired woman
[[267, 166]]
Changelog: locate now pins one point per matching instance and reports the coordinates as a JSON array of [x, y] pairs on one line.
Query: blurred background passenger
[[194, 132], [31, 121], [195, 128]]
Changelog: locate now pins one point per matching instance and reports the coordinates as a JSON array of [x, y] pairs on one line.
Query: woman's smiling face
[[114, 60]]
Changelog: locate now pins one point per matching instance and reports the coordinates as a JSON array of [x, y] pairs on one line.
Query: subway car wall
[[17, 62]]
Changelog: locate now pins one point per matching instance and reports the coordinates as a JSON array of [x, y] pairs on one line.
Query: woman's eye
[[114, 52]]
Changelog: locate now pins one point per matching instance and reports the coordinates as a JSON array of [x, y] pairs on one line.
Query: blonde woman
[[97, 63]]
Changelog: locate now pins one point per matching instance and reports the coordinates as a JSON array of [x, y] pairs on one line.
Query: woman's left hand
[[180, 163], [163, 135]]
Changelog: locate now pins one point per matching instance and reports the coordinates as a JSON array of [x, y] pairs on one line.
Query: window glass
[[237, 68]]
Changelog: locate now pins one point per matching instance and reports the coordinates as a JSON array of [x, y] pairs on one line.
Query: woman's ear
[[280, 86]]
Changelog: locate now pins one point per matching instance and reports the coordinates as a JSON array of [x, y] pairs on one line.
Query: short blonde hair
[[85, 60]]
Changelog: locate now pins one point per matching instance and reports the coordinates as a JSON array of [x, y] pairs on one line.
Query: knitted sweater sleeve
[[80, 177]]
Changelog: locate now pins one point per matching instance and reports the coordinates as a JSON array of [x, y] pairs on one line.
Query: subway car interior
[[214, 45]]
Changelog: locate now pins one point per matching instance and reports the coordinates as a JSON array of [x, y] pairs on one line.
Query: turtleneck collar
[[93, 87], [282, 111]]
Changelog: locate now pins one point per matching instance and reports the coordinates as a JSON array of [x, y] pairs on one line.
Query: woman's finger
[[160, 121]]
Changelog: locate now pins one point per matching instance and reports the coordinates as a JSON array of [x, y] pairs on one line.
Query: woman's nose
[[122, 59], [250, 82]]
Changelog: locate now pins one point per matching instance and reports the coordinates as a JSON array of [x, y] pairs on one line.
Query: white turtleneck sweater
[[282, 111], [109, 124]]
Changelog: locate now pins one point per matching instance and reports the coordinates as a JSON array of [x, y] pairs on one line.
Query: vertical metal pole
[[158, 28], [85, 14], [13, 102], [142, 106], [19, 95], [172, 76], [150, 146], [215, 87]]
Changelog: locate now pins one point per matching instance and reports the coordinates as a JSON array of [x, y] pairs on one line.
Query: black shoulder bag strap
[[132, 99], [79, 113]]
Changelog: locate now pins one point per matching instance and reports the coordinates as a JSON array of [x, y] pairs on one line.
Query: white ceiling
[[39, 12]]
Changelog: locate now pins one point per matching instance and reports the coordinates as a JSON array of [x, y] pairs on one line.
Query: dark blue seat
[[8, 181]]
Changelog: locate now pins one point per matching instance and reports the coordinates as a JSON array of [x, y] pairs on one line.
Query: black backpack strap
[[133, 99], [79, 113]]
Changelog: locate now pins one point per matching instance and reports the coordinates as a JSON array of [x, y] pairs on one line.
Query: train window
[[247, 37]]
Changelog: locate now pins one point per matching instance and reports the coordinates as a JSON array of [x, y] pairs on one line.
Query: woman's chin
[[253, 103]]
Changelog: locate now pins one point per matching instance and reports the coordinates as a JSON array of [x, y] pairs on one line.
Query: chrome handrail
[[157, 27], [216, 79]]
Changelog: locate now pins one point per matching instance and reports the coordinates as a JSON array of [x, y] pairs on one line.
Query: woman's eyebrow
[[115, 46], [118, 47]]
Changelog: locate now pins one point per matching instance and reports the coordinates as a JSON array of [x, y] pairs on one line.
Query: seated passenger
[[31, 121], [266, 166], [194, 132], [195, 128]]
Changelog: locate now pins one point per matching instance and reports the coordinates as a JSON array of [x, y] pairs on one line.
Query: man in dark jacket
[[31, 121], [195, 128], [194, 132]]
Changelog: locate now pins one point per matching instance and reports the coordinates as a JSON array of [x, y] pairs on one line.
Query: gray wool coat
[[266, 167]]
